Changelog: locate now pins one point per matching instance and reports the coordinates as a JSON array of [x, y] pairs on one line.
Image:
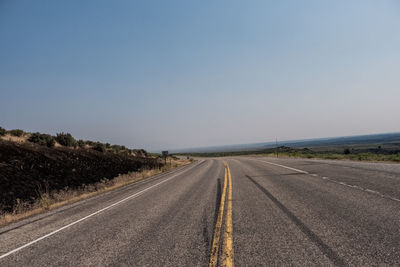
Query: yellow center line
[[227, 256], [218, 225]]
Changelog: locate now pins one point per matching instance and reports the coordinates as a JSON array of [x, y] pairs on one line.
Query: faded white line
[[395, 199], [286, 167], [336, 182], [90, 215]]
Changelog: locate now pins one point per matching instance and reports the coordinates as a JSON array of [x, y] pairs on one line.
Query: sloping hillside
[[28, 169]]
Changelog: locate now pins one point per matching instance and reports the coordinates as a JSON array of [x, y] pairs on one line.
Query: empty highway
[[243, 211]]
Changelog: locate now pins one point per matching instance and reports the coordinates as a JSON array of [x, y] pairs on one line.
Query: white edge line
[[286, 167], [334, 181], [86, 217]]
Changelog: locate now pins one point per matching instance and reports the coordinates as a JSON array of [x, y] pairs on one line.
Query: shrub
[[65, 139], [118, 148], [81, 143], [99, 147], [89, 143], [346, 151], [2, 131], [35, 138], [143, 152], [50, 141], [16, 132], [42, 139]]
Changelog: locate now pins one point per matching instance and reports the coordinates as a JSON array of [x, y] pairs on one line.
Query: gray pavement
[[285, 212]]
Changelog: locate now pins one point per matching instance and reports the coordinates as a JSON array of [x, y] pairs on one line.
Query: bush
[[395, 157], [118, 148], [2, 131], [89, 143], [99, 147], [81, 143], [42, 139], [16, 132], [346, 151], [65, 139]]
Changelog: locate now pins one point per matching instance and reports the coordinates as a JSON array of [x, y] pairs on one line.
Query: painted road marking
[[227, 259], [217, 229], [88, 216], [286, 167], [335, 181]]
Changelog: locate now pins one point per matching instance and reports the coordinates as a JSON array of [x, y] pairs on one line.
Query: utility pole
[[276, 147]]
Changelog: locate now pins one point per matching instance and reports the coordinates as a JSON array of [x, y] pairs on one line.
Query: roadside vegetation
[[39, 171], [64, 140], [367, 156], [373, 153], [50, 199], [42, 139]]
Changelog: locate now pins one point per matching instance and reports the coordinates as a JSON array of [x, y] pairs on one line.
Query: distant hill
[[387, 138]]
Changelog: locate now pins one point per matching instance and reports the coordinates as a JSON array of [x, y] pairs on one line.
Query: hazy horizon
[[272, 142], [174, 75]]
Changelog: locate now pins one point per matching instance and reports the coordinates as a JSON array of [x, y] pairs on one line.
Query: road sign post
[[165, 155]]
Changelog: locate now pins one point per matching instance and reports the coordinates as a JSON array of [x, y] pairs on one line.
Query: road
[[243, 211]]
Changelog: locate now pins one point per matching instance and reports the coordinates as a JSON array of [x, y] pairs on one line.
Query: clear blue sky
[[174, 74]]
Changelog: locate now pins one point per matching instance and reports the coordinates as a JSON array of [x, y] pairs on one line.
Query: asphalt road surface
[[243, 211]]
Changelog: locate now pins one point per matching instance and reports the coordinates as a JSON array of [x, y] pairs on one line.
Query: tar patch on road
[[332, 255], [206, 231], [217, 201]]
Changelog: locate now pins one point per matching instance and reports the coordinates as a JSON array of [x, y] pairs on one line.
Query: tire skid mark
[[326, 250], [215, 246]]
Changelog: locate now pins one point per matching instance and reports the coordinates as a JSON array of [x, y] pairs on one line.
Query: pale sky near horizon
[[177, 74]]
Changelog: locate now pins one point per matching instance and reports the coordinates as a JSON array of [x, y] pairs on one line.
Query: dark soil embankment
[[26, 170]]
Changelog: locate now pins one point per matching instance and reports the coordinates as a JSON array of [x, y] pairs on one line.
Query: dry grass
[[52, 200], [22, 139], [17, 139]]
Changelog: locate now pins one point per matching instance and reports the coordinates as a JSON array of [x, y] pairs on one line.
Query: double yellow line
[[227, 247]]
